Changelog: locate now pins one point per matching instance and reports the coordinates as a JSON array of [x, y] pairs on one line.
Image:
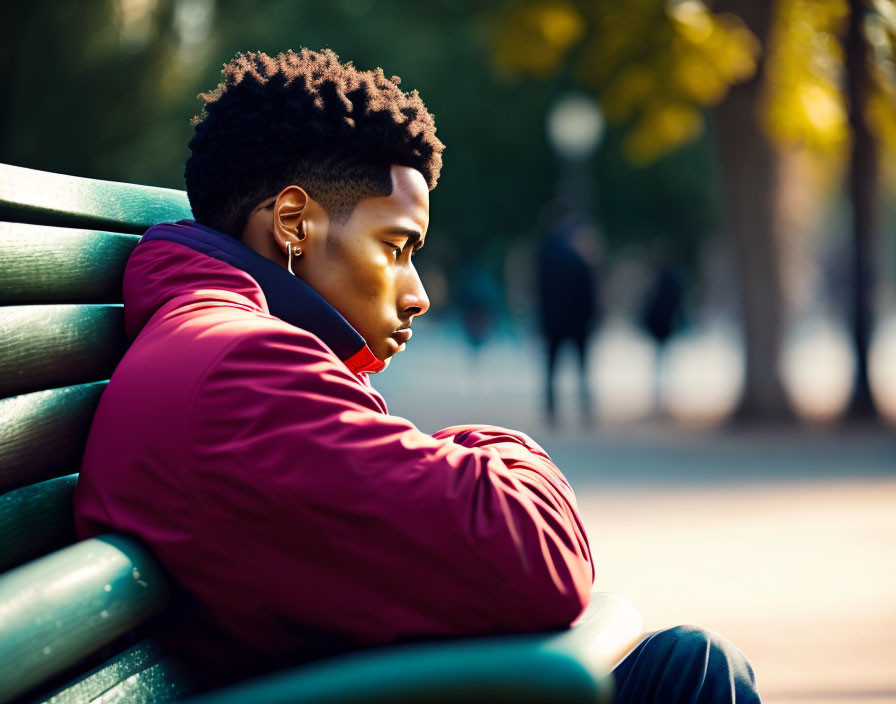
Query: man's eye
[[395, 248]]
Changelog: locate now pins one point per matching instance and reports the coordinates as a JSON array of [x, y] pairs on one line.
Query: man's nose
[[413, 299]]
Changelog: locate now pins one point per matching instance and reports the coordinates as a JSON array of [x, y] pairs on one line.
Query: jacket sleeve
[[354, 521]]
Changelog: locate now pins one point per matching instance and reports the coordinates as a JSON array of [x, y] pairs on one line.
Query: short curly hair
[[307, 119]]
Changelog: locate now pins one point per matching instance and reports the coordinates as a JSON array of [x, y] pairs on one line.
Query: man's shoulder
[[222, 327], [268, 342], [177, 357], [263, 356]]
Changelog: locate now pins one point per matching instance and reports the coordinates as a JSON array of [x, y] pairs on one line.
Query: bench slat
[[35, 520], [42, 264], [166, 681], [27, 195], [47, 346], [142, 674], [62, 607], [43, 434]]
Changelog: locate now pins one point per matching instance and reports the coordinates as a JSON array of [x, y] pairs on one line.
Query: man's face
[[364, 267]]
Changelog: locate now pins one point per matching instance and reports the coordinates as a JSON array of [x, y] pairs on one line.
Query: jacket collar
[[288, 297]]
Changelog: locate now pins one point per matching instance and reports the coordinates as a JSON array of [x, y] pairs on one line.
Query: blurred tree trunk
[[862, 188], [750, 168]]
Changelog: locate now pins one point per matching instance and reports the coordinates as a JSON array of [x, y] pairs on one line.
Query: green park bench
[[73, 614]]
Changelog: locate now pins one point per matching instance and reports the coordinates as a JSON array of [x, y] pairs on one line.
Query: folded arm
[[357, 522]]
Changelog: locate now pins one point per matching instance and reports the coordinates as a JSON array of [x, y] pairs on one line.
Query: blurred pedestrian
[[479, 300], [662, 314], [568, 304]]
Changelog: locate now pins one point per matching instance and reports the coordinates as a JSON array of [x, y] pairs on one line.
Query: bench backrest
[[64, 242]]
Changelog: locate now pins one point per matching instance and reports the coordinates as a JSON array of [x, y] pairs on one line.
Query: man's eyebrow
[[413, 235]]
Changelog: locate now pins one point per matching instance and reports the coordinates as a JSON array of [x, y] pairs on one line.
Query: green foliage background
[[79, 99]]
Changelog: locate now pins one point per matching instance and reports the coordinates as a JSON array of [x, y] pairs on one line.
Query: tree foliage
[[805, 101], [653, 65], [106, 90]]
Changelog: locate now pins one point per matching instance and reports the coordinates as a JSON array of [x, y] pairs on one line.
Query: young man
[[241, 440]]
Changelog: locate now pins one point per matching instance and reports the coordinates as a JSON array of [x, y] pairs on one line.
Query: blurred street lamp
[[575, 125]]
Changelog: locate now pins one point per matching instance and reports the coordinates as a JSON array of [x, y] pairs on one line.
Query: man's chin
[[383, 353], [385, 362], [386, 350]]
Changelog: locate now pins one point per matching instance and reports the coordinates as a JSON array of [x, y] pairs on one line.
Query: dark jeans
[[685, 665]]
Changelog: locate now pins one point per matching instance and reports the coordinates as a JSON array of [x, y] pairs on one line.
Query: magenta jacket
[[241, 440]]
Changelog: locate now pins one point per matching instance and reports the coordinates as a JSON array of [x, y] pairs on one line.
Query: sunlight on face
[[366, 270]]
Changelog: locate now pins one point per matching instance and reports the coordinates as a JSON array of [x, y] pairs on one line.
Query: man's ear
[[290, 208]]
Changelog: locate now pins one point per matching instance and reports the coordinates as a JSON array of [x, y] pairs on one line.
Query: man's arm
[[356, 522]]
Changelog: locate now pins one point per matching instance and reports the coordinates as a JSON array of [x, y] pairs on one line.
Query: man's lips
[[402, 336]]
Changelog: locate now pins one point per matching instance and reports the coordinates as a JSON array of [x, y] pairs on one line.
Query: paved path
[[784, 542], [801, 576]]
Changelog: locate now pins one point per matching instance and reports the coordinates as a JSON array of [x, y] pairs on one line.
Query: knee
[[701, 647], [692, 637], [683, 643], [687, 663]]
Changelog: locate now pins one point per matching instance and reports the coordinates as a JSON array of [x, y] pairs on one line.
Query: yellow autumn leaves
[[536, 38], [655, 65]]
